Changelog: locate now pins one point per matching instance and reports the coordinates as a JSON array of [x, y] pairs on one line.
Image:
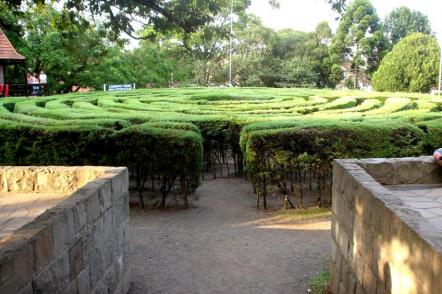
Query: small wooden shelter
[[8, 55]]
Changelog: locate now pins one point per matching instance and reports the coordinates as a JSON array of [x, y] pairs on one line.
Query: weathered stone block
[[389, 243], [61, 271], [17, 262], [359, 289], [93, 206], [72, 247], [351, 283], [45, 281], [83, 282], [106, 195], [117, 186], [27, 289], [333, 250], [63, 230], [95, 253], [72, 288], [44, 248], [76, 259], [369, 283]]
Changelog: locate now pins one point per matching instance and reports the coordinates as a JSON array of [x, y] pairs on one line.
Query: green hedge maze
[[281, 140]]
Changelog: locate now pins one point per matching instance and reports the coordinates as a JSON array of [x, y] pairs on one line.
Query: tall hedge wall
[[169, 151], [286, 138], [295, 156]]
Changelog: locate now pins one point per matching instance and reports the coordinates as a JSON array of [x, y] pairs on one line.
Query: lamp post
[[440, 70], [230, 44]]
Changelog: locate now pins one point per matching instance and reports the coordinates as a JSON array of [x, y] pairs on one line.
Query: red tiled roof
[[7, 52]]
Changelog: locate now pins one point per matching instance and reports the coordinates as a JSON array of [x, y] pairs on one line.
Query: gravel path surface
[[224, 245]]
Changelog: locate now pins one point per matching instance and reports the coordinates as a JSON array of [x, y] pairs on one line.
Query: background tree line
[[187, 43]]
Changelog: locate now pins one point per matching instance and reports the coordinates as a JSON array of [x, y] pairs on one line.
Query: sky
[[305, 14]]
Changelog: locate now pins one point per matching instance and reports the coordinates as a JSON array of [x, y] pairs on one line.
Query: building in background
[[8, 55]]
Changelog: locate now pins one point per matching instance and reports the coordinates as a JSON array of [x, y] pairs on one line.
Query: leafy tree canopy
[[403, 21], [162, 15], [359, 39], [338, 5], [412, 65]]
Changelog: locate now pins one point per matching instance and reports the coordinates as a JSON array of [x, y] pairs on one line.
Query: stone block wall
[[379, 244], [79, 246]]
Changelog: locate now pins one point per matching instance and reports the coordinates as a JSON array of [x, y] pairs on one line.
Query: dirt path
[[224, 246]]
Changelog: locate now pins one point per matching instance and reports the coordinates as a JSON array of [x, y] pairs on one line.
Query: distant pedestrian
[[28, 79], [43, 78], [34, 79], [35, 86]]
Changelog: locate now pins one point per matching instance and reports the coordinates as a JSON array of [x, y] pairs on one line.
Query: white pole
[[440, 70], [230, 46], [104, 87]]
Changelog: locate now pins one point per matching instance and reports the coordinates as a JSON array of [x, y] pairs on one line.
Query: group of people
[[36, 82], [32, 78]]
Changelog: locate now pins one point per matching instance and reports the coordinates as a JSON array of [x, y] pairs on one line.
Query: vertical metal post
[[440, 70], [230, 45]]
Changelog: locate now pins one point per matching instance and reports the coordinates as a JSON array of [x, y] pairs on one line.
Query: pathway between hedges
[[224, 246]]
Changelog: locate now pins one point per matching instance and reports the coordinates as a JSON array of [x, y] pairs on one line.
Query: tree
[[359, 39], [63, 44], [338, 5], [297, 72], [402, 22], [9, 22], [412, 65], [252, 44], [162, 15], [287, 48], [293, 53], [319, 55], [208, 45]]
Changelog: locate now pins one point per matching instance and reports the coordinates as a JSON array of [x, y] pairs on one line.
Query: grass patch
[[305, 214], [319, 283]]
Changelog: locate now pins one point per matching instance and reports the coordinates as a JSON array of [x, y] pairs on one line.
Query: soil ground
[[224, 245]]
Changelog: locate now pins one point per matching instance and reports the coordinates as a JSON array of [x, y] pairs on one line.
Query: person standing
[[34, 83], [43, 78], [28, 79], [43, 83]]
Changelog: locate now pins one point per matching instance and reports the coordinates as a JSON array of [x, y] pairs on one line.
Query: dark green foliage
[[171, 151], [297, 156], [403, 21], [359, 40], [286, 137], [411, 66]]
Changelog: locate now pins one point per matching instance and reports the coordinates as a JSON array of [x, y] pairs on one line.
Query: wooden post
[[184, 191], [264, 194]]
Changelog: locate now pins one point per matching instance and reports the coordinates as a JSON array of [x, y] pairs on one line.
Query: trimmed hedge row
[[296, 156], [285, 137], [168, 151]]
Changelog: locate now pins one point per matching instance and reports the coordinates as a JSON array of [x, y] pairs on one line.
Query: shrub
[[170, 151], [412, 65], [286, 137], [296, 157]]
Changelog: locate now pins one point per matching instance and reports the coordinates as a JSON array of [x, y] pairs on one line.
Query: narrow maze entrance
[[224, 245]]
